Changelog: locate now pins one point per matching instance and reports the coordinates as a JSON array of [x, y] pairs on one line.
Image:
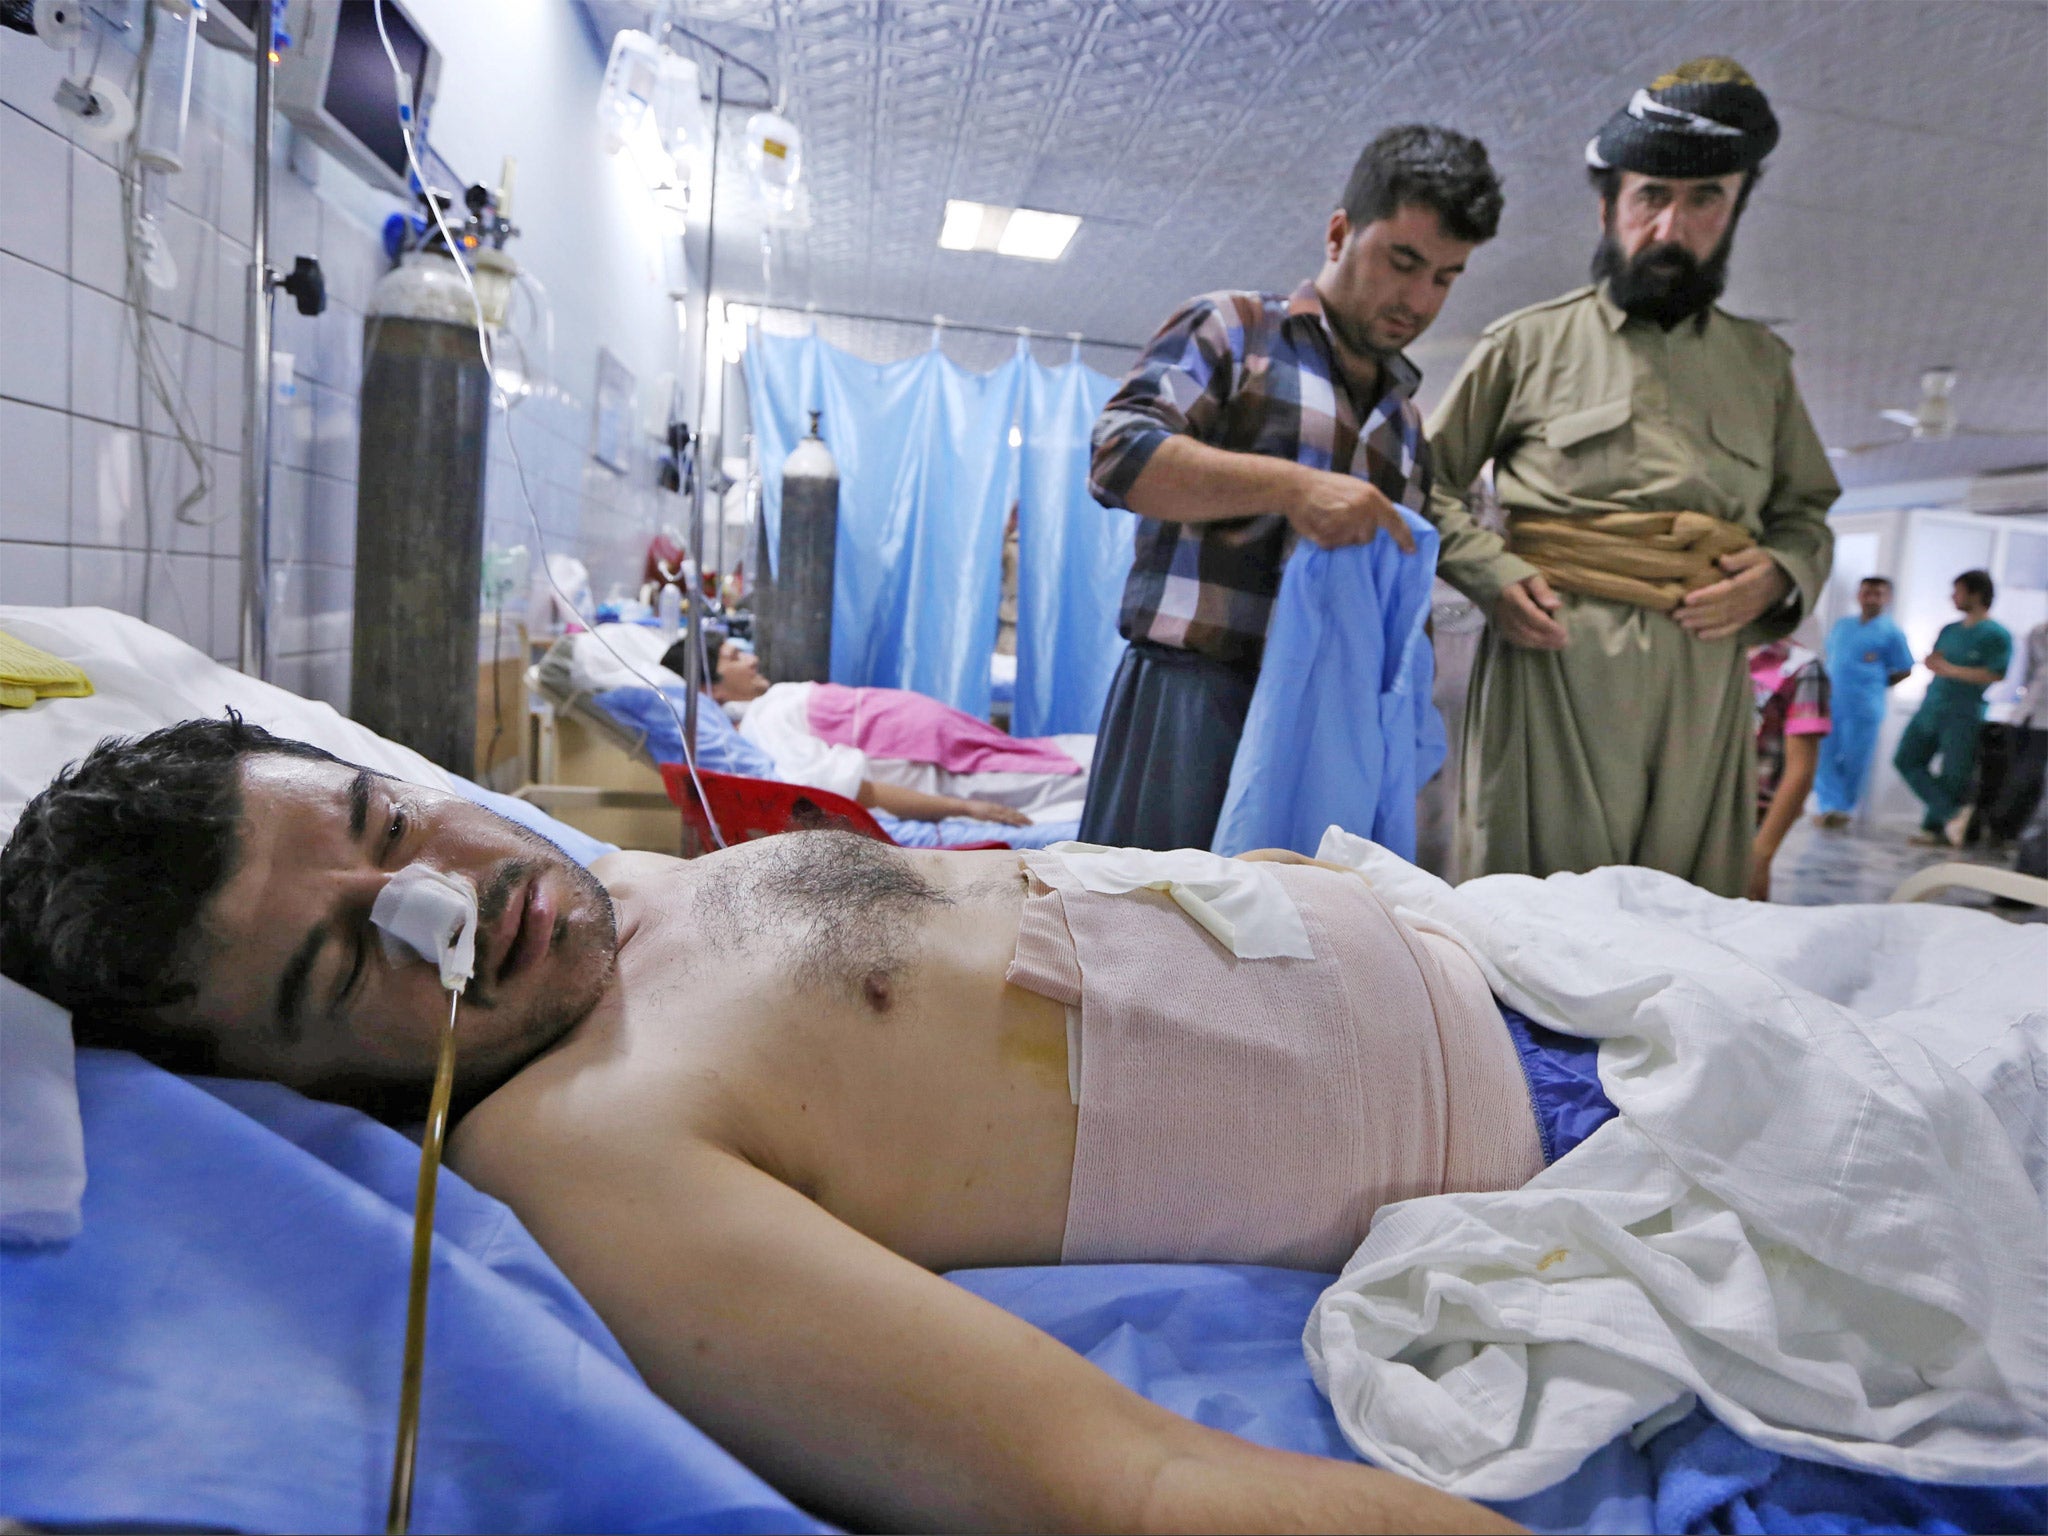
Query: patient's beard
[[568, 1000]]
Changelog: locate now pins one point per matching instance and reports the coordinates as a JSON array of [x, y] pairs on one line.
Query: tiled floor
[[1816, 868]]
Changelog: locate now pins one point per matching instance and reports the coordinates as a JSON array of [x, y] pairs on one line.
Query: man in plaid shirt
[[1250, 420]]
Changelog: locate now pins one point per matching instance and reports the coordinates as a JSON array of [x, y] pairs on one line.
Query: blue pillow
[[720, 747], [580, 846]]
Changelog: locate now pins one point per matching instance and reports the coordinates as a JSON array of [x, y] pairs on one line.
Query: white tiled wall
[[89, 477], [90, 474]]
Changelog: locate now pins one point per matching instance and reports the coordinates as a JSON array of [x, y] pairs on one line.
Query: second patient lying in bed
[[900, 752], [750, 1102]]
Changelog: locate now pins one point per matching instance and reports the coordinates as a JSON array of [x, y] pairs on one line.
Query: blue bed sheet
[[720, 746], [955, 830], [1222, 1345], [219, 1347]]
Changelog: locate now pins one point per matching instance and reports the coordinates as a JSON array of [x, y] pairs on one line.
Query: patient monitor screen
[[243, 11], [361, 96]]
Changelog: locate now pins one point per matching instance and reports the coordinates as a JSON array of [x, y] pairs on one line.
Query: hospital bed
[[218, 1346], [1925, 884], [603, 747]]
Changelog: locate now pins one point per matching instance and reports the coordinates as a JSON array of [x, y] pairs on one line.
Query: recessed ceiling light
[[1024, 232], [1037, 236], [963, 225]]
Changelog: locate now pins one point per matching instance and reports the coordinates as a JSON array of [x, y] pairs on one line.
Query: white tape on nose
[[423, 914]]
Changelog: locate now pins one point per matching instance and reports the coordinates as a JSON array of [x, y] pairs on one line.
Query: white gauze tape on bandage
[[423, 914], [1244, 906]]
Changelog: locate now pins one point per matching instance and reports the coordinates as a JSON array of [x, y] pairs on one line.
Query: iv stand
[[694, 642], [255, 629]]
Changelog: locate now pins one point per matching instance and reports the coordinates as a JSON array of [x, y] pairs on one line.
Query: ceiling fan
[[1932, 420]]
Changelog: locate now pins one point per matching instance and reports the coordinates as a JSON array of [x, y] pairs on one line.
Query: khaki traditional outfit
[[1628, 458]]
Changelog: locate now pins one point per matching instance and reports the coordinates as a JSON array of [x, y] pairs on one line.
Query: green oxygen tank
[[420, 515], [799, 620]]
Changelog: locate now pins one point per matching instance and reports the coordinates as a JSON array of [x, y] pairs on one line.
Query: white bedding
[[628, 656], [779, 723], [143, 678], [1820, 1211]]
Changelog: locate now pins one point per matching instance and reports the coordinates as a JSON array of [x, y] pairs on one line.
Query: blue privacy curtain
[[1073, 556], [925, 475]]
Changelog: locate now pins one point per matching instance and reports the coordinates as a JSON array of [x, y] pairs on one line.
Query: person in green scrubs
[[1968, 657]]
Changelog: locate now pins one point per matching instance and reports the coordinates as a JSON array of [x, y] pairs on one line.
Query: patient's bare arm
[[873, 1391], [917, 805]]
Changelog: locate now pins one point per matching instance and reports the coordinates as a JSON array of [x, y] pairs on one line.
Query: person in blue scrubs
[[1867, 654], [1968, 657]]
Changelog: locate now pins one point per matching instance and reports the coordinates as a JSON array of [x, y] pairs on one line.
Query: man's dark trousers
[[1170, 729]]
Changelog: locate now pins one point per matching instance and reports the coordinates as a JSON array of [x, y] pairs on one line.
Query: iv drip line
[[399, 1516], [405, 129]]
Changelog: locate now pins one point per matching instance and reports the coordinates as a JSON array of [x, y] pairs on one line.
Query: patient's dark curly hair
[[108, 870]]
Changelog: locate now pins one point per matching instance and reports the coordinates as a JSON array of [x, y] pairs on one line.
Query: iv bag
[[775, 155], [646, 83], [627, 94], [166, 102]]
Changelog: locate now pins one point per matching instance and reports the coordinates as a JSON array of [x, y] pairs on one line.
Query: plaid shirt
[[1789, 687], [1253, 373]]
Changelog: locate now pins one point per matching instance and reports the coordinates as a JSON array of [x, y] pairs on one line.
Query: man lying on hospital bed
[[896, 751], [750, 1102]]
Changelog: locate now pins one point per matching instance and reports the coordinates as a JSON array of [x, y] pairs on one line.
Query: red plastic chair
[[751, 808]]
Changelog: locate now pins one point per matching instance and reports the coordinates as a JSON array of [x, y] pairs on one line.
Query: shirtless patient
[[750, 1102]]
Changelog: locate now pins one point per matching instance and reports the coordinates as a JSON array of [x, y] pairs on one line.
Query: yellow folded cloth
[[27, 674], [1651, 559]]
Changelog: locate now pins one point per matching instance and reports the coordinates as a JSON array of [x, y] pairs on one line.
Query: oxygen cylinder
[[670, 608], [420, 518], [801, 612]]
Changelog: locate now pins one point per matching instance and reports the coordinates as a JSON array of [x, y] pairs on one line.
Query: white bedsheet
[[1044, 797], [779, 723], [1821, 1210], [143, 678], [627, 656]]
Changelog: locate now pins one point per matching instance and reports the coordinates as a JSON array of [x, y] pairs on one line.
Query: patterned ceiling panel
[[1903, 221]]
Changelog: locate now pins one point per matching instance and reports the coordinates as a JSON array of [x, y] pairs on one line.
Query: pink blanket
[[892, 722]]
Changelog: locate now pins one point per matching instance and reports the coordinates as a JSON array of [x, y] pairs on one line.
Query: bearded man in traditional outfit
[[1666, 499]]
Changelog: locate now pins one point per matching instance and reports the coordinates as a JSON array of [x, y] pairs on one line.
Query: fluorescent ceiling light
[[1024, 232], [1037, 236], [963, 226]]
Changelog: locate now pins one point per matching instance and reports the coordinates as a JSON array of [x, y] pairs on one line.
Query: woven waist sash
[[1651, 559]]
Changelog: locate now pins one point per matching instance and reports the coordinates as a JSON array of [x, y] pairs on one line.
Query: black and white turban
[[1704, 118]]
